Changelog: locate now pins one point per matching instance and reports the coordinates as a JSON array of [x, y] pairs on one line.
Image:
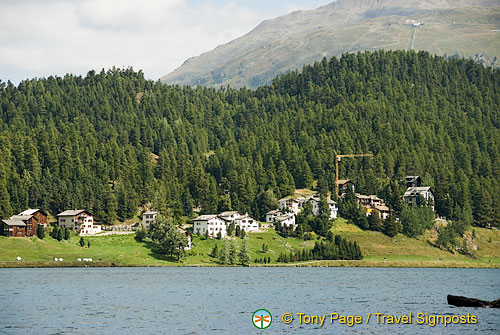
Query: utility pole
[[337, 160]]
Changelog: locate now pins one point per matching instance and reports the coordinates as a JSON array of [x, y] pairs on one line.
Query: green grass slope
[[124, 250]]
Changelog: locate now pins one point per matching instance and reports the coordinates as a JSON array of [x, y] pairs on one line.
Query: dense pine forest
[[113, 142]]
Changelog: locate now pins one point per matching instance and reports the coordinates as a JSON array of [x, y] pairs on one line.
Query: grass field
[[124, 250]]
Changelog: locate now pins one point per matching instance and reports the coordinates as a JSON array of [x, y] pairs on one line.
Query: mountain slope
[[88, 142], [275, 46]]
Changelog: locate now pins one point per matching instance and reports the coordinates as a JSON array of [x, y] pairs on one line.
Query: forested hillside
[[112, 141]]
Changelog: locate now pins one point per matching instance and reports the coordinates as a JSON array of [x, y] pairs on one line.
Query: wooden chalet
[[13, 228], [24, 224]]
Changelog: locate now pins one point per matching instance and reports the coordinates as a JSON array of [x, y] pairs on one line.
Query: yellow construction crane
[[337, 160]]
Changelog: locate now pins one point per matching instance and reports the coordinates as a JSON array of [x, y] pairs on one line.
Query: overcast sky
[[39, 38]]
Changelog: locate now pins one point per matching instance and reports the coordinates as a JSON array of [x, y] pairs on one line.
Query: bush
[[141, 233]]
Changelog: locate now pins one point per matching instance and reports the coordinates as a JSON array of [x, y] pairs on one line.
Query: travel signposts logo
[[262, 319]]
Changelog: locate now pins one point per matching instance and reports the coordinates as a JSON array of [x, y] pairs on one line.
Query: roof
[[382, 208], [344, 181], [20, 217], [274, 211], [14, 222], [228, 213], [372, 197], [288, 198], [412, 177], [246, 215], [316, 197], [30, 212], [413, 191], [184, 230], [284, 217], [73, 212], [150, 213], [205, 217]]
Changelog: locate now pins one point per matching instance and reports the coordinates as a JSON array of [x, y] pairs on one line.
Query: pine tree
[[224, 253], [66, 233], [215, 252], [244, 253], [374, 222], [40, 232], [233, 254], [391, 227]]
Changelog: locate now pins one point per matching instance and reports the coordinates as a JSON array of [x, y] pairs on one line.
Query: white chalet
[[246, 223], [332, 205], [290, 203], [287, 219], [272, 214], [412, 193], [80, 221], [229, 216], [148, 218], [212, 224]]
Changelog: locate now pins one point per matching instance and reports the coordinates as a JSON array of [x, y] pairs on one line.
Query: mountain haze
[[462, 28]]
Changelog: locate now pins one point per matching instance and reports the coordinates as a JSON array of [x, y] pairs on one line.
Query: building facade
[[80, 221], [412, 193], [212, 224], [246, 223], [148, 218]]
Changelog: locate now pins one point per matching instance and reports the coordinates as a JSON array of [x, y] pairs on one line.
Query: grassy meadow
[[125, 250]]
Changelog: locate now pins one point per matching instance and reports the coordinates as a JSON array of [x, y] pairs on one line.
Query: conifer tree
[[244, 253]]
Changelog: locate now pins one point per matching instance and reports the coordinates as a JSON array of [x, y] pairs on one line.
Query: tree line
[[113, 142]]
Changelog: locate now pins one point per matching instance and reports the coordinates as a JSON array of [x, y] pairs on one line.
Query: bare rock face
[[452, 27], [460, 301]]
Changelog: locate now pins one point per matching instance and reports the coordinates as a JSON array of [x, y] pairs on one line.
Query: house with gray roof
[[412, 193]]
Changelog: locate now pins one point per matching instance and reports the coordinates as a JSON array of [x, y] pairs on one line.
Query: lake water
[[222, 300]]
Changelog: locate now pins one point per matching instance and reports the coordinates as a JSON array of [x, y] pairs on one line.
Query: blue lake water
[[222, 300]]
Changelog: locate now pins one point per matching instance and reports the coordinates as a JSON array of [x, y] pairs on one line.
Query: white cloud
[[54, 37]]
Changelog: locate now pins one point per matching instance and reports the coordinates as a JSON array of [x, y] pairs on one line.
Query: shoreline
[[332, 264]]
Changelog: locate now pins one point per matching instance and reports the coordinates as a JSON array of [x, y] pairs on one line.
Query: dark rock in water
[[460, 301]]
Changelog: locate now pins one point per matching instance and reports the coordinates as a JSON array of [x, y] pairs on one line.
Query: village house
[[189, 238], [30, 221], [368, 201], [412, 193], [413, 181], [23, 224], [371, 204], [13, 228], [382, 211], [286, 220], [246, 223], [344, 184], [290, 203], [212, 224], [80, 221], [272, 214], [332, 205], [39, 215], [229, 216], [148, 218]]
